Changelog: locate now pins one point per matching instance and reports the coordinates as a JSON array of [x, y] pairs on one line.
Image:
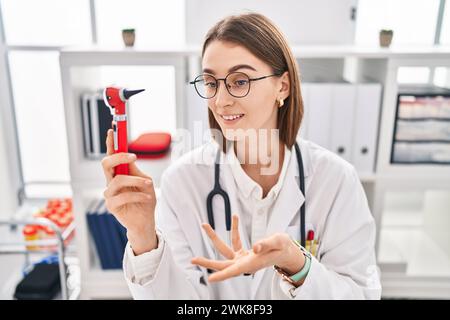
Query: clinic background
[[386, 110]]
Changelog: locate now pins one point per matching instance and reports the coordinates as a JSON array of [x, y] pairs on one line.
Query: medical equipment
[[218, 191], [115, 99]]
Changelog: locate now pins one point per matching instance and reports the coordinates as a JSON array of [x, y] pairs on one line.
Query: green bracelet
[[302, 273]]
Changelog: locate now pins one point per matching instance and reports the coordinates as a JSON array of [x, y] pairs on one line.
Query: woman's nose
[[223, 97]]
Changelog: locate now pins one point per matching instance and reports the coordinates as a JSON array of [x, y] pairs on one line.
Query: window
[[442, 77], [46, 22], [39, 109], [160, 24], [413, 21], [413, 75], [445, 30]]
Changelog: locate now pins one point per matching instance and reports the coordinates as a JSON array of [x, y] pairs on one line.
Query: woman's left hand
[[277, 249]]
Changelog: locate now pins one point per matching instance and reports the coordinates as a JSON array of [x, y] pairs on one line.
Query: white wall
[[302, 21]]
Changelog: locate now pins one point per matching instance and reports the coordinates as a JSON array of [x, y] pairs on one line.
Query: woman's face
[[258, 109]]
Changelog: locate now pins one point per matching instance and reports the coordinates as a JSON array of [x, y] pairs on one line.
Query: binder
[[94, 228], [342, 113], [110, 238], [305, 97], [319, 113], [367, 114], [122, 233], [96, 119], [108, 234], [115, 240]]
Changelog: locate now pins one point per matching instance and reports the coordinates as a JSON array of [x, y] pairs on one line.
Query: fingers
[[110, 142], [235, 238], [248, 264], [109, 162], [134, 171], [274, 242], [239, 267], [224, 250], [114, 203], [211, 264], [121, 181]]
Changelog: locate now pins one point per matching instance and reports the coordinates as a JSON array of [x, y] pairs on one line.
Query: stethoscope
[[218, 191]]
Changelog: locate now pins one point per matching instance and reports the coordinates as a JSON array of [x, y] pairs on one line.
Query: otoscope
[[116, 100]]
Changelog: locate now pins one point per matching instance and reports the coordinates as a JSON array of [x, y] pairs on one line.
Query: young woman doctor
[[251, 82]]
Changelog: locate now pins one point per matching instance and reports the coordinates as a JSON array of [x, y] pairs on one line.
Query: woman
[[279, 188]]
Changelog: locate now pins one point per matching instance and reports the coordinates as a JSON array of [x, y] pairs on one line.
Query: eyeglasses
[[237, 84]]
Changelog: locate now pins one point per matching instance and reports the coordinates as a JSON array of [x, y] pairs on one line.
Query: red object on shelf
[[151, 145]]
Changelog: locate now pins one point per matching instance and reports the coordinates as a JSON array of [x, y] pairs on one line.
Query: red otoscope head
[[115, 98]]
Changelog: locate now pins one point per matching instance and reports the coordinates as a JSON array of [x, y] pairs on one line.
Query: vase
[[128, 37]]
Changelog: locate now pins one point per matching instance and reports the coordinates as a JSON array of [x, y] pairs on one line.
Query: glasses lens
[[206, 86], [238, 84]]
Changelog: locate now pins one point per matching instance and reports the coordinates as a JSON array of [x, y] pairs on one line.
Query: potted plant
[[128, 36], [386, 37]]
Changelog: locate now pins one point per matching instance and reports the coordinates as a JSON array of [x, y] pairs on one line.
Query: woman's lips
[[232, 118]]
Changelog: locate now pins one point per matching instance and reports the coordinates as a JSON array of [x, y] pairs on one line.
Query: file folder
[[319, 113], [342, 110], [367, 115]]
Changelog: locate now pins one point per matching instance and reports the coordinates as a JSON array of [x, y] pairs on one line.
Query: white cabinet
[[80, 73]]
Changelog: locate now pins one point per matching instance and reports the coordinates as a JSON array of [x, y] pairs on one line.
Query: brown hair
[[262, 38]]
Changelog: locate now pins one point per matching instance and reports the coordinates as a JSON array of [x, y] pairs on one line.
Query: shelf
[[302, 51], [14, 242], [413, 265], [104, 284], [414, 255]]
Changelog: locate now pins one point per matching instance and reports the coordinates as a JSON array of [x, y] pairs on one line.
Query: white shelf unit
[[420, 280], [79, 73], [354, 64]]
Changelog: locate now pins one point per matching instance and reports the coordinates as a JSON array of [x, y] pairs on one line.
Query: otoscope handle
[[120, 145]]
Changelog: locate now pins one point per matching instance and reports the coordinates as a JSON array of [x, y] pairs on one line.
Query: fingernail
[[148, 182], [132, 156]]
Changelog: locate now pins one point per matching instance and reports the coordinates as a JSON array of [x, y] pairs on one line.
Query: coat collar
[[249, 187]]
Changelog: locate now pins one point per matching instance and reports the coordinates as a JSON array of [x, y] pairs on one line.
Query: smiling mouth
[[231, 117]]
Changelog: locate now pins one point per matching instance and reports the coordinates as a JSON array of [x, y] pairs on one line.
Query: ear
[[284, 86]]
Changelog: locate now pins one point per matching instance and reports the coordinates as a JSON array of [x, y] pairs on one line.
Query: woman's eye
[[210, 84], [241, 82]]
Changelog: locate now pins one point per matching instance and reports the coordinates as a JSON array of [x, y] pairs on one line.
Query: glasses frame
[[225, 82]]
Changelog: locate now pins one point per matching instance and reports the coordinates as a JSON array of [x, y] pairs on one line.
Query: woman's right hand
[[130, 198]]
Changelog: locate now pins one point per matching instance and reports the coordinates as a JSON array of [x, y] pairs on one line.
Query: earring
[[280, 103]]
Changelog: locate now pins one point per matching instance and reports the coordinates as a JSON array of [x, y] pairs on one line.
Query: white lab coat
[[336, 208]]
